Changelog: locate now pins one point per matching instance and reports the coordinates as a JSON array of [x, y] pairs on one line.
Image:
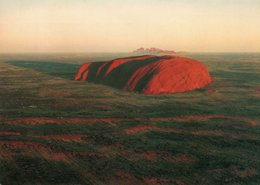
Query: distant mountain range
[[156, 51]]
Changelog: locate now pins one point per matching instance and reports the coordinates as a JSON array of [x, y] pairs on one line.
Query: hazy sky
[[124, 25]]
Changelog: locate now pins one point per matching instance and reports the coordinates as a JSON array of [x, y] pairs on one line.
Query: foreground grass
[[191, 147]]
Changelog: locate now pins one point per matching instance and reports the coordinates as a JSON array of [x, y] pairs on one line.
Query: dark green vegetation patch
[[54, 130]]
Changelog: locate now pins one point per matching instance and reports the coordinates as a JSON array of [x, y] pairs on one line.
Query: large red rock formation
[[148, 74]]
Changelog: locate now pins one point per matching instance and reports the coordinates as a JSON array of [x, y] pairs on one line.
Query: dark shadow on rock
[[119, 77]]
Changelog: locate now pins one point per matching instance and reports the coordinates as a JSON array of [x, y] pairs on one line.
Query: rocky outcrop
[[156, 51], [148, 74]]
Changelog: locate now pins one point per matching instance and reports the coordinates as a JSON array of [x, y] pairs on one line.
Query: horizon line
[[130, 52]]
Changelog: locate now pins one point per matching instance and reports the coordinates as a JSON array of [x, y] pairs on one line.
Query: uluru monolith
[[148, 74]]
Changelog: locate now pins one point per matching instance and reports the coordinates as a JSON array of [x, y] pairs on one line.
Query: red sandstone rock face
[[117, 62], [171, 75], [83, 72], [148, 74]]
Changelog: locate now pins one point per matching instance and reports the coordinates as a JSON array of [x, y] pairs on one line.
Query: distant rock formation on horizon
[[147, 74], [156, 51]]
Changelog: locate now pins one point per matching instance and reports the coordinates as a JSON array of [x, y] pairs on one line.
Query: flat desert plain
[[55, 130]]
